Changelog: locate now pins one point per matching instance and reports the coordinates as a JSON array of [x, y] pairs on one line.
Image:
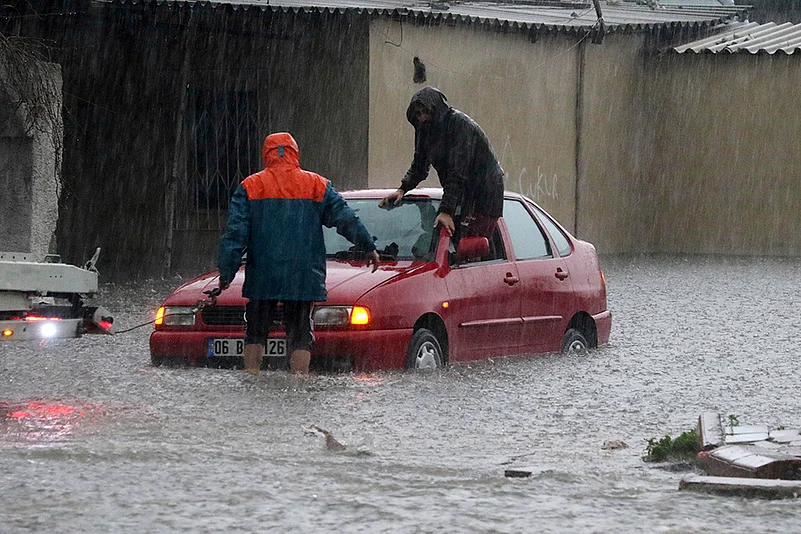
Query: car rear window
[[404, 231], [558, 236]]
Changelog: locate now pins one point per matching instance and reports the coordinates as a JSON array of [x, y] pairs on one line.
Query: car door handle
[[560, 274], [511, 280]]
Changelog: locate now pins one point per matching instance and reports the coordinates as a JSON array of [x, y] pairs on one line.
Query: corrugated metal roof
[[624, 16], [750, 37]]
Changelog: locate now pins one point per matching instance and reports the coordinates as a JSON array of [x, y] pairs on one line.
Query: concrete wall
[[521, 93], [617, 206], [677, 153], [30, 156], [524, 95], [15, 202], [728, 159], [46, 166]]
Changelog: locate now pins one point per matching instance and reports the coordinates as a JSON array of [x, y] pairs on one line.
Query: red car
[[532, 288]]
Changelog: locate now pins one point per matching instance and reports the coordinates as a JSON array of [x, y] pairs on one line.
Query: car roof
[[434, 193]]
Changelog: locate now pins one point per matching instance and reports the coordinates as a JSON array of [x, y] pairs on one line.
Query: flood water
[[94, 439]]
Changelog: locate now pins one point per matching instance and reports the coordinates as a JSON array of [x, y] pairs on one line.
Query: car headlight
[[340, 315], [175, 316], [331, 315]]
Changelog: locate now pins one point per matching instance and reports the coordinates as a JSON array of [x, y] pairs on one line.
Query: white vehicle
[[45, 299]]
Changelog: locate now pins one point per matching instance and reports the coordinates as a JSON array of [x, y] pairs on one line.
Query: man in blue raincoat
[[277, 215]]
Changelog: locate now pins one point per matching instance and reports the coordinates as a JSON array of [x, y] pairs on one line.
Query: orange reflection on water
[[368, 379]]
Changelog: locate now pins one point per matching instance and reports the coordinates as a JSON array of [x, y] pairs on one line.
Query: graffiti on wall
[[535, 186]]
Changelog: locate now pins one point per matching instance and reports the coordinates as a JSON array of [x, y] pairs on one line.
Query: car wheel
[[574, 342], [157, 361], [424, 352]]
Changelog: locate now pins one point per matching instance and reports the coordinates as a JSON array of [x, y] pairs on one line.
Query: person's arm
[[235, 239], [337, 213], [418, 171]]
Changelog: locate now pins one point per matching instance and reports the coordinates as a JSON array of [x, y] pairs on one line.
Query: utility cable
[[196, 309], [137, 326]]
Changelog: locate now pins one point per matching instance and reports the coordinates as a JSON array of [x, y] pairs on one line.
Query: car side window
[[496, 252], [558, 236], [527, 238]]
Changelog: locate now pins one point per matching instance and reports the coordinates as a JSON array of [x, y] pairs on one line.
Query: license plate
[[221, 347]]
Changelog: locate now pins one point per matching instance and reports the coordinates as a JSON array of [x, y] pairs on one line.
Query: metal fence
[[222, 147]]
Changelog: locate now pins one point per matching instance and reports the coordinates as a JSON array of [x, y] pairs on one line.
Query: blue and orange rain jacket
[[277, 215]]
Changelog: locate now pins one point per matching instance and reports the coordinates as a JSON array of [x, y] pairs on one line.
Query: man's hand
[[224, 285], [374, 259], [394, 198], [446, 221]]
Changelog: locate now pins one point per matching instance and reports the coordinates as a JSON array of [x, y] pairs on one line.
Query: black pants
[[297, 319]]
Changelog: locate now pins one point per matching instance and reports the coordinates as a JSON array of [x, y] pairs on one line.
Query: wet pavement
[[94, 439]]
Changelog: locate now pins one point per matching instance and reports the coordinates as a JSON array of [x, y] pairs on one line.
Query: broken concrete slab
[[750, 461], [748, 487], [710, 431], [730, 439], [745, 429], [785, 436], [768, 445]]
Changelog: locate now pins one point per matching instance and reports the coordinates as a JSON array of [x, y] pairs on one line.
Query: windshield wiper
[[389, 253]]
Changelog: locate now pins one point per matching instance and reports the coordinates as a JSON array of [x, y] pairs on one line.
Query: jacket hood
[[280, 148], [433, 100]]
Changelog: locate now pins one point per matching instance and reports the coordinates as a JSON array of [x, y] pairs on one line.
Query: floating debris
[[518, 472], [330, 442], [751, 451], [747, 460], [611, 445]]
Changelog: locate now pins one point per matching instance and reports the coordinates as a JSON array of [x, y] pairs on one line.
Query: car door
[[547, 300], [484, 305]]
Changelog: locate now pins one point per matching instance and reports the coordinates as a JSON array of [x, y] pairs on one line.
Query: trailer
[[46, 299]]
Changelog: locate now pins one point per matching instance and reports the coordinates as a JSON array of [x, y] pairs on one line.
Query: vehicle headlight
[[331, 315], [176, 316], [340, 315]]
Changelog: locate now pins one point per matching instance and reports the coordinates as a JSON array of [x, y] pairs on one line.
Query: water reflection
[[37, 423]]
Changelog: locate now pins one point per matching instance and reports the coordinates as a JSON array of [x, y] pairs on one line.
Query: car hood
[[345, 282]]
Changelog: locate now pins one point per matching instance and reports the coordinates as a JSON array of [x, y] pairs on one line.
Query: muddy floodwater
[[94, 439]]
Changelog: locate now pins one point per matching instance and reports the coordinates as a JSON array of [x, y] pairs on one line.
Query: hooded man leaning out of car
[[459, 150], [277, 215]]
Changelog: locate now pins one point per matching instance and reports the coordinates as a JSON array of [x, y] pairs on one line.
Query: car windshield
[[401, 232]]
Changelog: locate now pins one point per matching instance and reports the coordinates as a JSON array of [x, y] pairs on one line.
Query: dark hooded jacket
[[457, 147]]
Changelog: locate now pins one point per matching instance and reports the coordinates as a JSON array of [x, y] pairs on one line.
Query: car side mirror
[[472, 248]]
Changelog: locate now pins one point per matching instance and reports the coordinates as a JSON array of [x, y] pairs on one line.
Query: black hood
[[433, 100]]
